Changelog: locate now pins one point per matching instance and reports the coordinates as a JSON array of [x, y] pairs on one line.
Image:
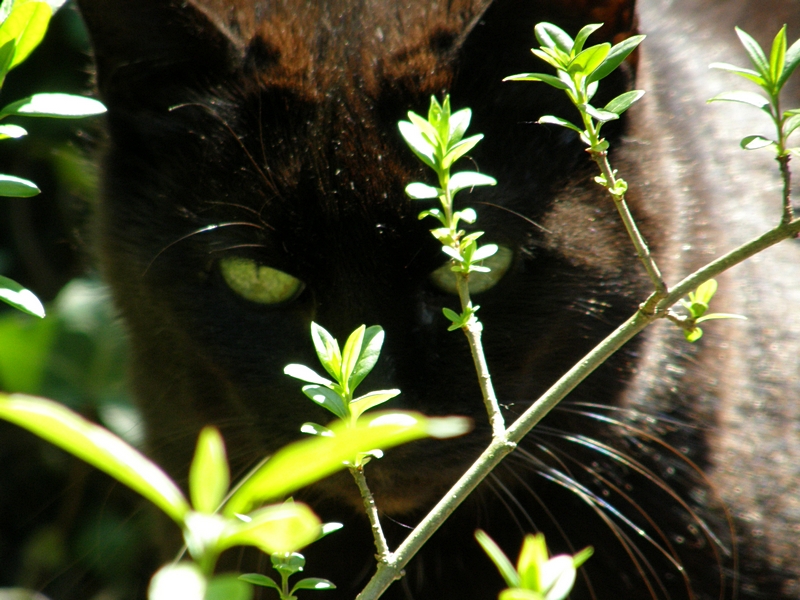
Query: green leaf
[[741, 71], [327, 348], [303, 373], [548, 79], [182, 580], [468, 179], [19, 297], [11, 131], [460, 149], [312, 459], [614, 59], [26, 25], [557, 577], [328, 399], [283, 527], [418, 144], [551, 120], [519, 594], [750, 98], [227, 587], [588, 60], [259, 579], [551, 36], [623, 102], [582, 36], [315, 429], [777, 55], [209, 477], [692, 335], [363, 403], [459, 122], [313, 583], [7, 51], [598, 114], [484, 252], [64, 106], [554, 62], [371, 345], [15, 187], [25, 349], [791, 124], [792, 60], [755, 142], [507, 570], [98, 447], [755, 53], [351, 354], [421, 191]]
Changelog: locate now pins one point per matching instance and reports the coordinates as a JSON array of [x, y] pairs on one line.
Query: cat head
[[259, 140]]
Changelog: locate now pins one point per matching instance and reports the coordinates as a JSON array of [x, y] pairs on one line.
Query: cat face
[[254, 182]]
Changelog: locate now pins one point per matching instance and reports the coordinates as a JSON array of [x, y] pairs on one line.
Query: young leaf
[[755, 142], [598, 114], [259, 579], [418, 144], [64, 106], [582, 36], [371, 345], [551, 60], [624, 101], [421, 191], [327, 348], [303, 373], [26, 25], [351, 354], [460, 149], [755, 53], [459, 122], [551, 36], [11, 131], [615, 56], [507, 570], [750, 98], [327, 398], [313, 583], [19, 297], [791, 124], [362, 404], [746, 73], [791, 62], [16, 187], [209, 477], [543, 77], [468, 179], [588, 60], [227, 587], [551, 120], [777, 55], [484, 252], [98, 447], [182, 580], [283, 527]]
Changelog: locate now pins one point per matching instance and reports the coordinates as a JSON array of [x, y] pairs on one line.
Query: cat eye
[[258, 283], [445, 279]]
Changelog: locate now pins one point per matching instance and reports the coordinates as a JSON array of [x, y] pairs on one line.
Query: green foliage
[[578, 71], [770, 74], [697, 306], [536, 576], [21, 31], [288, 564], [439, 142]]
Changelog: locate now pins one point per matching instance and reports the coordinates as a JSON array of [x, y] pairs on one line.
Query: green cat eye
[[445, 279], [258, 283]]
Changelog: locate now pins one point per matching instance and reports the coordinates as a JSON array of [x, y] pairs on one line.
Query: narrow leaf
[[350, 355], [364, 403], [313, 583], [755, 53], [498, 557], [303, 373], [26, 25], [98, 447], [623, 102], [777, 55], [209, 476], [603, 116], [459, 150], [792, 60], [418, 144], [551, 36], [468, 179], [283, 527], [548, 79], [755, 142], [746, 73], [327, 348], [459, 122], [15, 187], [371, 345], [327, 398], [421, 191], [615, 56], [484, 252], [582, 36], [65, 106], [20, 298], [259, 579], [551, 120], [549, 59], [791, 124], [11, 131], [750, 98], [588, 60]]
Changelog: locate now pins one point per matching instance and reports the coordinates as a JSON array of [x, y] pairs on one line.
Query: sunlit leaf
[[624, 101], [460, 149], [777, 56], [755, 53], [326, 398], [588, 60], [312, 459], [750, 98], [551, 36], [65, 106], [421, 191], [209, 476], [19, 297], [548, 79], [755, 142], [327, 349], [283, 527], [11, 131], [98, 447], [16, 187], [363, 403], [182, 580], [614, 58], [506, 568], [746, 73], [552, 120], [350, 354], [583, 34], [26, 26], [313, 583], [303, 373], [468, 179], [459, 122], [371, 344], [792, 60]]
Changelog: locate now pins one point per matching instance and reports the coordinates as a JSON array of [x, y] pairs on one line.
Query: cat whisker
[[516, 214]]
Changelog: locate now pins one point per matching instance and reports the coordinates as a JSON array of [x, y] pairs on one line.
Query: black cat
[[260, 137]]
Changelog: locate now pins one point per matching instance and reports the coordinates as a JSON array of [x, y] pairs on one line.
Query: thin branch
[[384, 554]]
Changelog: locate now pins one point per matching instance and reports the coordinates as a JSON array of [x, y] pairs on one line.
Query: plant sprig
[[697, 307], [770, 74]]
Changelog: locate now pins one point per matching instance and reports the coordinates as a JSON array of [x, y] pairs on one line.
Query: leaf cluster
[[579, 69], [697, 307], [288, 564], [21, 31], [536, 575], [770, 74]]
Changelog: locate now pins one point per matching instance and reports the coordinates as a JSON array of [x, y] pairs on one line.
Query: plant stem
[[642, 250], [473, 330], [501, 446], [786, 176], [371, 509]]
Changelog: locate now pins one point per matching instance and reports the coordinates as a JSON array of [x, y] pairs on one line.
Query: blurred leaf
[[11, 131], [182, 580], [209, 477], [64, 106], [283, 527], [20, 298], [15, 187], [97, 446], [227, 587], [421, 191], [26, 25], [25, 345]]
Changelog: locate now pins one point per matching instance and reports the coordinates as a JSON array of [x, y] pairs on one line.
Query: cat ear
[[147, 51]]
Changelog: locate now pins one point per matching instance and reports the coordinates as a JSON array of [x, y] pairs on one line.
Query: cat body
[[266, 133]]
